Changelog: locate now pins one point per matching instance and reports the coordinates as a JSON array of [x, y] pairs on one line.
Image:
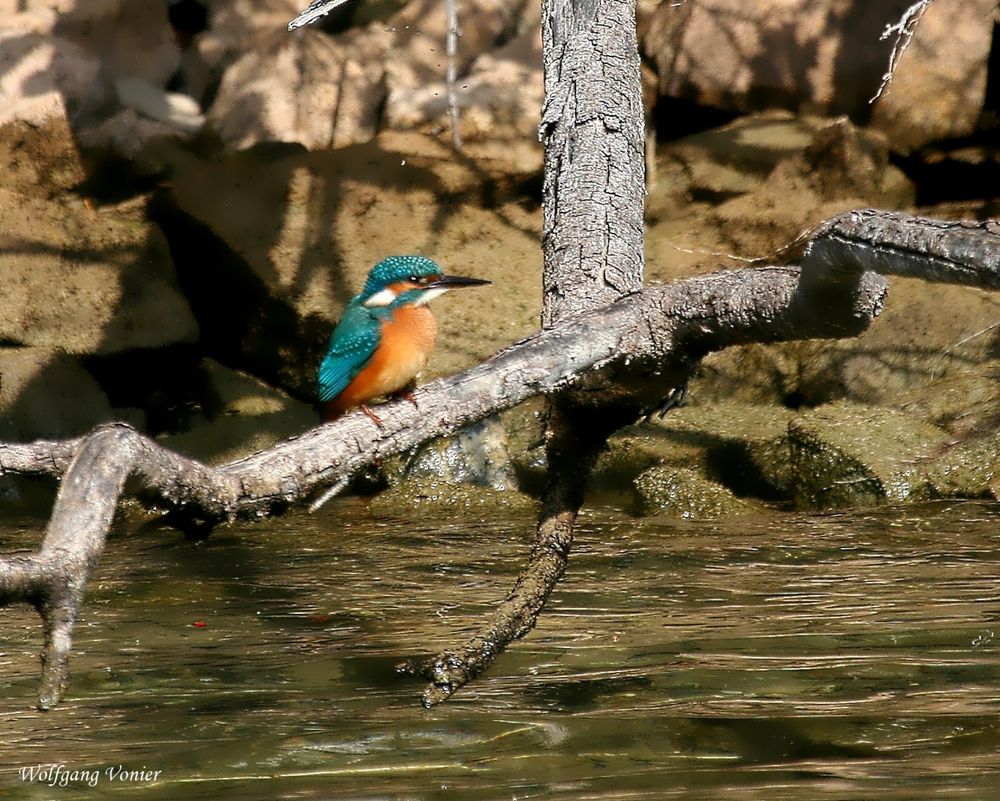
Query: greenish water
[[828, 657]]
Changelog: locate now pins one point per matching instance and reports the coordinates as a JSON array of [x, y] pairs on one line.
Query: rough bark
[[592, 130], [899, 244]]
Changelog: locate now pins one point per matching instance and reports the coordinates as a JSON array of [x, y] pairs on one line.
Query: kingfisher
[[385, 335]]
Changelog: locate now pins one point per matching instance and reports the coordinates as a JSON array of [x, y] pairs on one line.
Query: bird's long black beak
[[453, 282]]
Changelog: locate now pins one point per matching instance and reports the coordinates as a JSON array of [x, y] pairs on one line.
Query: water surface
[[844, 656]]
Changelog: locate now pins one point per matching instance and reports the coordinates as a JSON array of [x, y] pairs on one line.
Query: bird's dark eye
[[418, 279]]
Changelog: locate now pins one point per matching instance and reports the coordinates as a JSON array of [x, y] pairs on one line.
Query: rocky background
[[189, 194]]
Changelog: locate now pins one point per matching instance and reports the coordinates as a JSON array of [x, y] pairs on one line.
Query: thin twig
[[317, 9], [451, 48], [903, 30], [333, 490]]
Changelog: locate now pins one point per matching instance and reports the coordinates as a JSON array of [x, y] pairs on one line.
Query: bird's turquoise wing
[[352, 344]]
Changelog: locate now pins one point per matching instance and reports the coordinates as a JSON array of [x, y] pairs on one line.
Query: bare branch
[[903, 30], [451, 50], [569, 468], [893, 243], [316, 10], [592, 255], [623, 358]]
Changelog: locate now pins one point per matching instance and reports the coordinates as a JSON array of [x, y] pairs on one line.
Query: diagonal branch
[[316, 10], [717, 310], [571, 458], [903, 30]]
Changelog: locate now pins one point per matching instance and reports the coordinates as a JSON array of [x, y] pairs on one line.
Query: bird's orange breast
[[407, 339]]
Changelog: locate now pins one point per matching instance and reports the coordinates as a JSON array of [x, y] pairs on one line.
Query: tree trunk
[[592, 247], [592, 129]]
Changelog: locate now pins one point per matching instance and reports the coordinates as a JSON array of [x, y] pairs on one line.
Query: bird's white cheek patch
[[381, 298], [430, 294]]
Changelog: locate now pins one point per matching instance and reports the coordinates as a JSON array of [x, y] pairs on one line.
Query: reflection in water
[[795, 657]]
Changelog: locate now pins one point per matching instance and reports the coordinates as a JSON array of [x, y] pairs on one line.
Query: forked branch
[[628, 354]]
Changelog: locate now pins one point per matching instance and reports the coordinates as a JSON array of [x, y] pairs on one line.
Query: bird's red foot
[[408, 395], [372, 416]]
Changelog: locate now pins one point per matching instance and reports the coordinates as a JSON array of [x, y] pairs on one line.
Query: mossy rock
[[477, 454], [843, 455], [965, 401], [634, 451], [438, 495], [744, 445], [725, 443], [525, 427], [968, 469], [684, 493], [468, 471]]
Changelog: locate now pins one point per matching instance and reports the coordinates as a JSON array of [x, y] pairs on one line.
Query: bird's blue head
[[409, 279]]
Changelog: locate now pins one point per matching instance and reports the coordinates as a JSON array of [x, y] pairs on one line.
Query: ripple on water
[[794, 657]]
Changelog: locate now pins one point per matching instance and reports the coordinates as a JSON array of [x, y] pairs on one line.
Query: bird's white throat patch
[[429, 295], [381, 298]]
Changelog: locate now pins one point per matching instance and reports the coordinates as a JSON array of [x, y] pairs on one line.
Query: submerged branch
[[575, 439], [622, 357]]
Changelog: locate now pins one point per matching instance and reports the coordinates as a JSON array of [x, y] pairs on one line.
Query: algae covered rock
[[725, 443], [477, 454], [525, 429], [469, 470], [743, 446], [698, 461], [844, 454], [969, 468], [680, 492], [703, 460], [436, 494], [965, 402], [635, 450]]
